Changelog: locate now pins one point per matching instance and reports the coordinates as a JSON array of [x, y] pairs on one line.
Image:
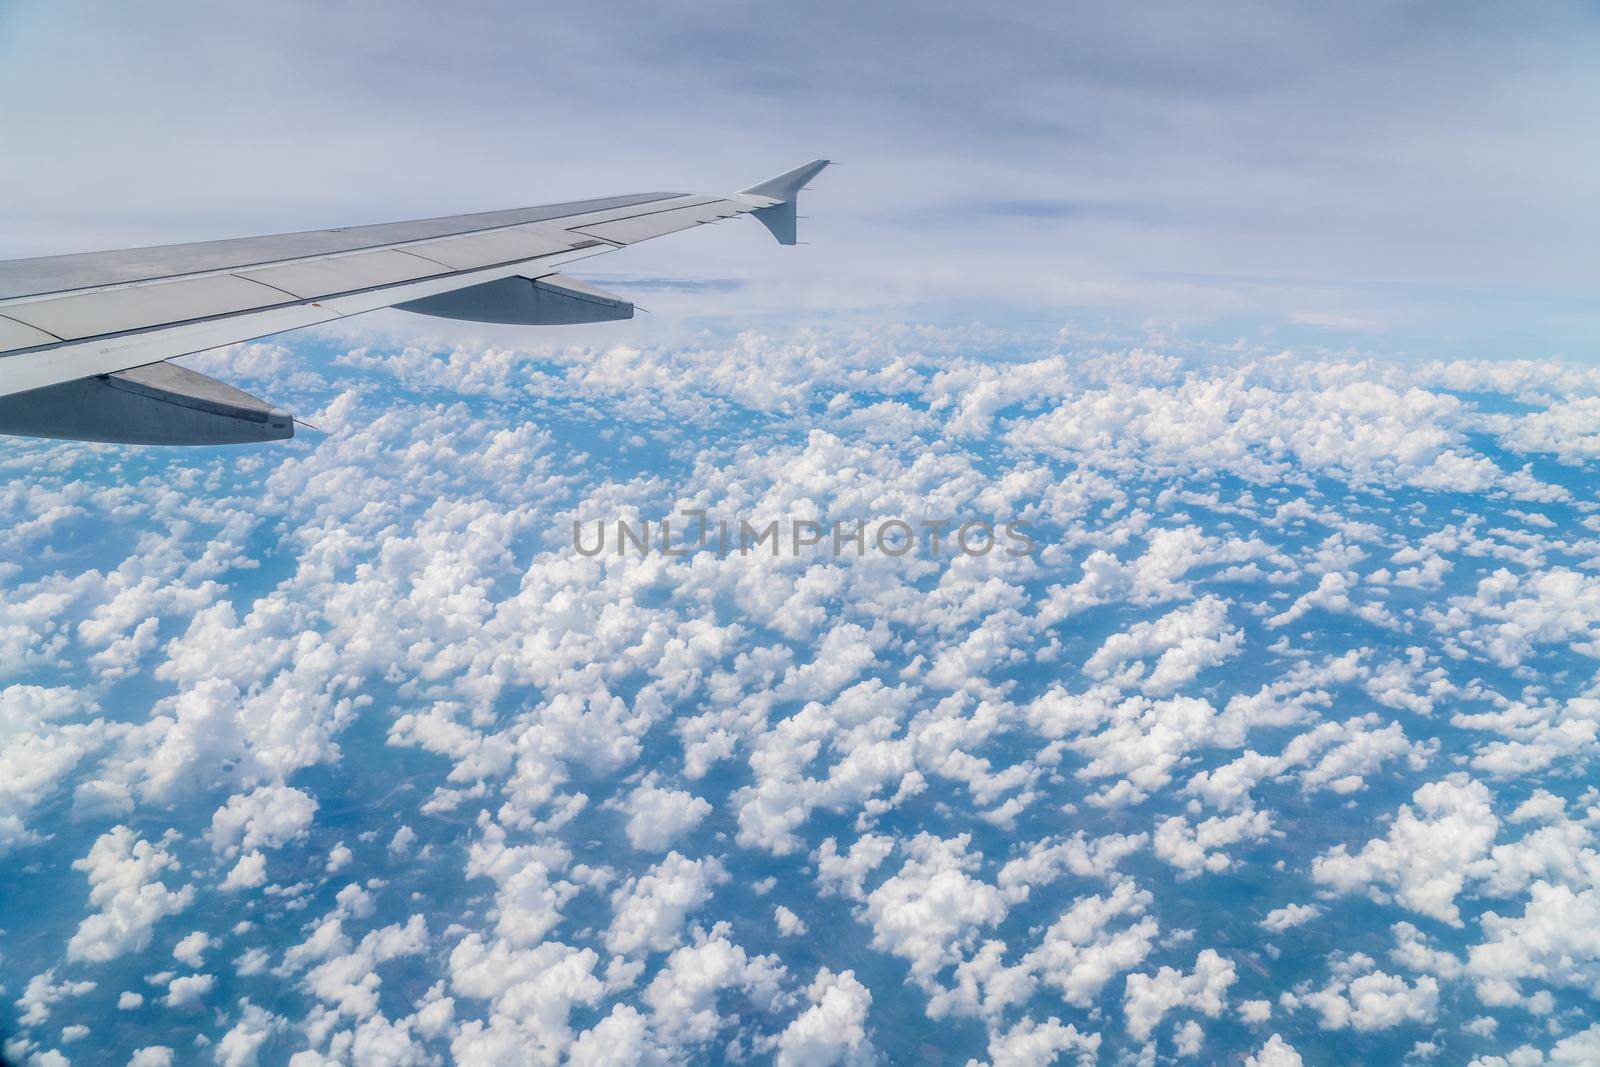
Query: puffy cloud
[[1163, 572], [529, 894], [658, 818], [1183, 642], [1555, 940], [789, 924], [1332, 593], [649, 912], [1534, 735], [618, 1040], [1541, 806], [1574, 1050], [1197, 848], [1565, 428], [832, 1031], [43, 992], [243, 1041], [1275, 1053], [683, 996], [846, 873], [1413, 949], [1047, 860], [1085, 948], [1374, 1001], [932, 906], [1363, 432], [1148, 998], [842, 654], [1145, 740], [400, 844], [267, 817], [1409, 684], [1281, 919], [1511, 614], [532, 994], [249, 872], [261, 692], [186, 991], [1335, 756], [124, 885], [44, 735], [1428, 854], [985, 986], [1030, 1044], [1188, 1038], [190, 950], [853, 730], [346, 978]]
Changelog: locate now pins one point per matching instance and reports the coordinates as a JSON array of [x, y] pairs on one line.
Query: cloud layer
[[1279, 744]]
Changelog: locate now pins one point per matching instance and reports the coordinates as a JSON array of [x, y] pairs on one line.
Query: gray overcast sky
[[1408, 174]]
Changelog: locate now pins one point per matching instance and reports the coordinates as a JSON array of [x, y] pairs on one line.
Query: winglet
[[785, 188], [787, 185]]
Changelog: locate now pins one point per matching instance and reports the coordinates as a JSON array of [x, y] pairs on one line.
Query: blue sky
[[1408, 178]]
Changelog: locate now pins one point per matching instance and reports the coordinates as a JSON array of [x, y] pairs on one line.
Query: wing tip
[[780, 217], [787, 186]]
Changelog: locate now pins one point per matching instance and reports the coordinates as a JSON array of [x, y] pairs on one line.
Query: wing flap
[[40, 367], [137, 307], [501, 246], [14, 334], [346, 274]]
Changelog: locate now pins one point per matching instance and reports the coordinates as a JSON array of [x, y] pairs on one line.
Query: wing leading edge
[[83, 338]]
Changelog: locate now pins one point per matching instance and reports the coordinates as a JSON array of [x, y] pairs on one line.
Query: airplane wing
[[84, 338]]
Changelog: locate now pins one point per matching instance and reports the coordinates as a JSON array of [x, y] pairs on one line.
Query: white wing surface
[[76, 330]]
